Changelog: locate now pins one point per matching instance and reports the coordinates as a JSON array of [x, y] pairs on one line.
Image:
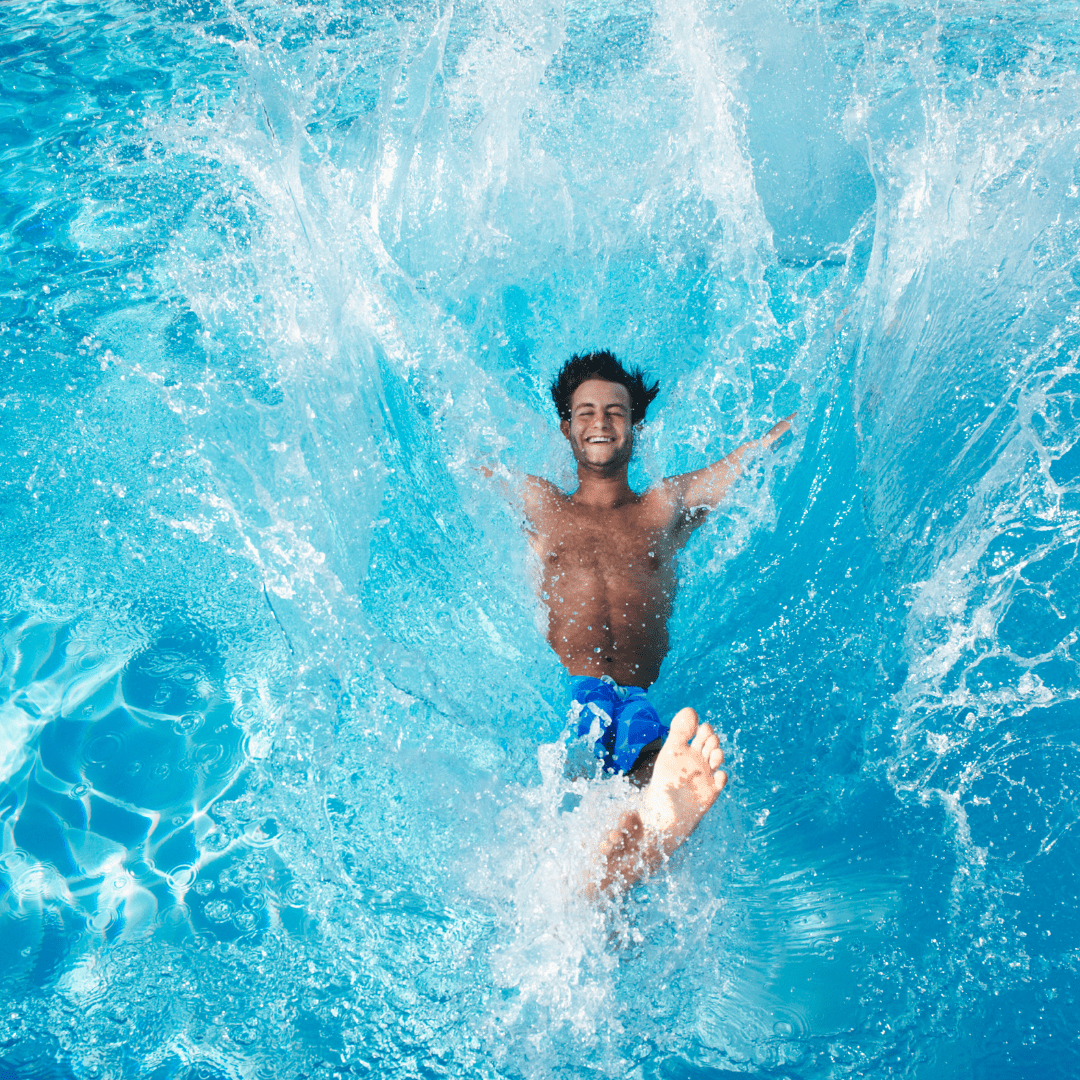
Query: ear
[[564, 427]]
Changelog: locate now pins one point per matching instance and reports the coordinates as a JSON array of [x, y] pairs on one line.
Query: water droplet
[[180, 877], [13, 859], [176, 915], [261, 833], [209, 755], [187, 723], [294, 894], [31, 883], [79, 790], [100, 921], [103, 748], [782, 1028]]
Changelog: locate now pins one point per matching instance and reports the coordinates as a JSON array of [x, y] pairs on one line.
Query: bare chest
[[620, 543]]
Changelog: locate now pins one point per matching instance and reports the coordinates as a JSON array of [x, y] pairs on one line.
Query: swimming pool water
[[282, 785]]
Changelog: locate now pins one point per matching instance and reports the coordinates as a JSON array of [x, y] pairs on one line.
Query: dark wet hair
[[602, 365]]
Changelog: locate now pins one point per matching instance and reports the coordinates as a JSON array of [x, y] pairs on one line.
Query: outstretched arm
[[700, 491]]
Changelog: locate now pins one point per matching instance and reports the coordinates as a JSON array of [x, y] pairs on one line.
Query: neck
[[602, 491]]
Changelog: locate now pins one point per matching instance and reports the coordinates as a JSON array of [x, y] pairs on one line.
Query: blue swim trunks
[[620, 719]]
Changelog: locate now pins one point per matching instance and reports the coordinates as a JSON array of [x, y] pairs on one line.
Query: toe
[[703, 732], [709, 745], [716, 759], [719, 779], [684, 724]]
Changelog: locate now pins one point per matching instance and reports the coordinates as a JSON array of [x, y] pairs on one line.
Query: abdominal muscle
[[605, 619]]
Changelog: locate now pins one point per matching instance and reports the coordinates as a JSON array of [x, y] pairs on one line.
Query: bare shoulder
[[662, 502], [540, 497]]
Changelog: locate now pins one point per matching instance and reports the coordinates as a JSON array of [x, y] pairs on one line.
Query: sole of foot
[[685, 782]]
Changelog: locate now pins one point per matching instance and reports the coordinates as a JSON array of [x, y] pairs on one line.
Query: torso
[[608, 579]]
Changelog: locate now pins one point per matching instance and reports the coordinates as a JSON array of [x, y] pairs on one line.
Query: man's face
[[599, 427]]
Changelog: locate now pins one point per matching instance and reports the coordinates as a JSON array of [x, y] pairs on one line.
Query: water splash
[[274, 681]]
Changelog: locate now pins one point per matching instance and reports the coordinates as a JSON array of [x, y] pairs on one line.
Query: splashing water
[[282, 784]]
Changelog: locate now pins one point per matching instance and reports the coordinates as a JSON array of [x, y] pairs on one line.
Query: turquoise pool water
[[282, 791]]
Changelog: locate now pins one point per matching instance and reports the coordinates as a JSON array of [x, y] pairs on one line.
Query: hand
[[777, 430]]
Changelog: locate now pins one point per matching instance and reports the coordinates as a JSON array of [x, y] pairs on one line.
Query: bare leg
[[685, 782]]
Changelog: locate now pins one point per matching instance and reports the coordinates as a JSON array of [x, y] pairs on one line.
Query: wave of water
[[282, 790]]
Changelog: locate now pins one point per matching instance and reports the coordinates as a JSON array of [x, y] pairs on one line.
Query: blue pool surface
[[284, 791]]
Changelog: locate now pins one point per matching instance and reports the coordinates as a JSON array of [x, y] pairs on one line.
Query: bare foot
[[685, 783]]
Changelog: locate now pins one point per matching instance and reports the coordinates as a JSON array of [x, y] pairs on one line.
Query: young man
[[608, 557]]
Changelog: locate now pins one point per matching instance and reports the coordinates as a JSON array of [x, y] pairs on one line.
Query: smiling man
[[608, 557]]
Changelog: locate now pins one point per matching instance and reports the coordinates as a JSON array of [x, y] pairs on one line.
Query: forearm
[[707, 487]]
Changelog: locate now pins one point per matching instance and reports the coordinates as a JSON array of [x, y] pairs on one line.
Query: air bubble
[[782, 1028], [295, 893], [244, 920], [219, 910]]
